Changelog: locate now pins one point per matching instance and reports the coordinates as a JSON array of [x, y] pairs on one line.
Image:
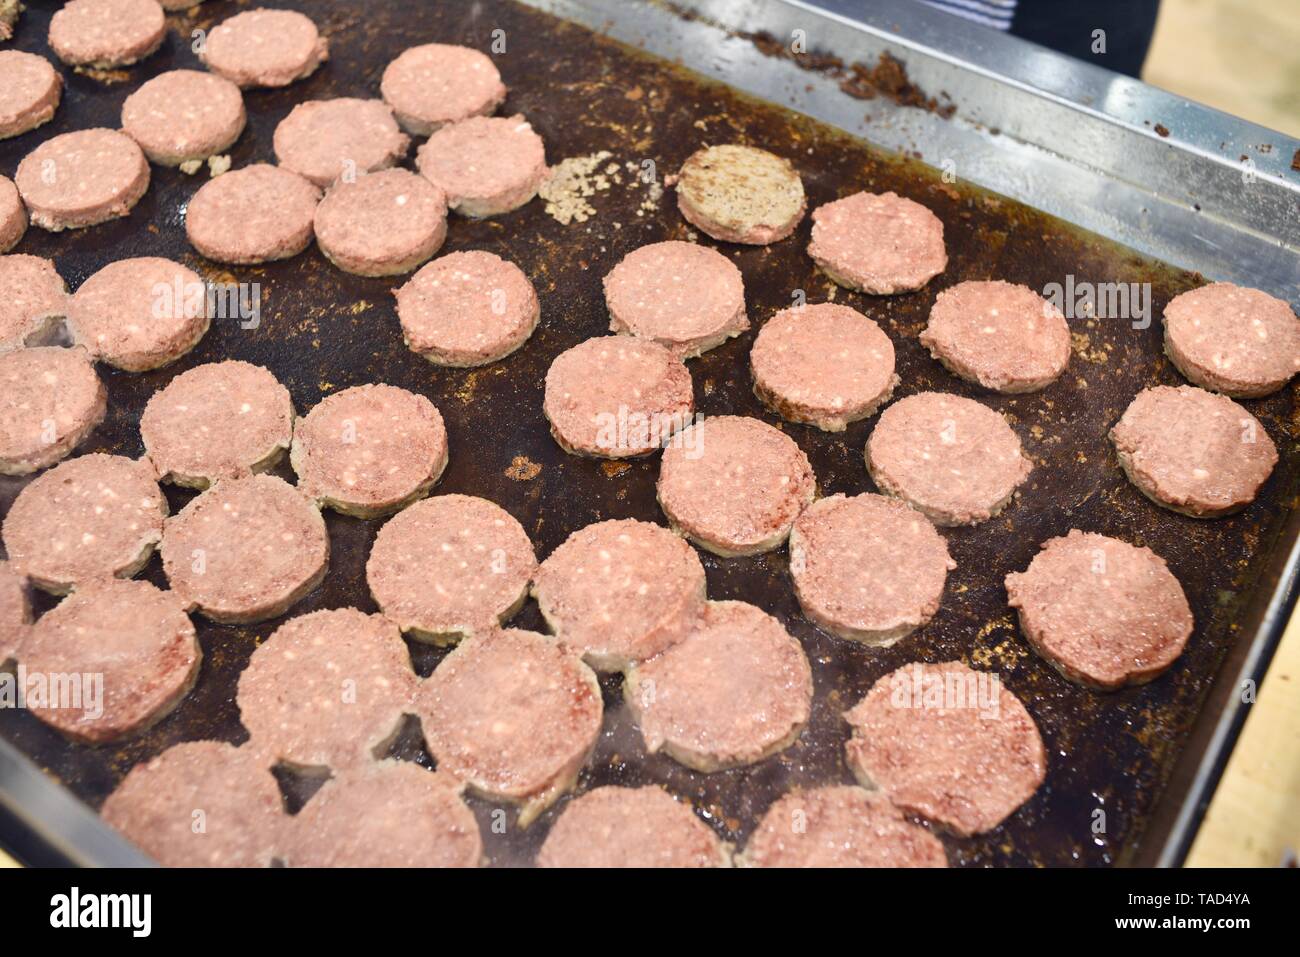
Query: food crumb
[[218, 165], [571, 183], [523, 469]]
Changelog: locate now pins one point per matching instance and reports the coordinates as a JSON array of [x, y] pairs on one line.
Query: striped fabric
[[991, 13]]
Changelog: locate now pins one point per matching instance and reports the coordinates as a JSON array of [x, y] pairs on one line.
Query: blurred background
[[1239, 56]]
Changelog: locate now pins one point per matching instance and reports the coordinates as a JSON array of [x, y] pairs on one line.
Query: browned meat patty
[[135, 640], [948, 743], [256, 214], [383, 224], [245, 550], [201, 804], [687, 297], [215, 421], [182, 117], [15, 611], [369, 450], [1004, 337], [449, 567], [620, 591], [120, 317], [1238, 341], [95, 516], [1192, 451], [98, 175], [736, 690], [734, 485], [107, 33], [617, 397], [631, 827], [956, 460], [867, 568], [50, 401], [327, 690], [30, 90], [467, 309], [324, 140], [485, 165], [740, 194], [265, 48], [13, 215], [878, 243], [1102, 612], [33, 298], [389, 814], [431, 85], [514, 716], [823, 365], [839, 827]]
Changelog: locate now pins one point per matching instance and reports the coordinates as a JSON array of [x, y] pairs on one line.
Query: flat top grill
[[323, 330]]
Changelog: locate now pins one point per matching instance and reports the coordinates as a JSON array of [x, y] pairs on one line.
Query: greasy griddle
[[323, 330]]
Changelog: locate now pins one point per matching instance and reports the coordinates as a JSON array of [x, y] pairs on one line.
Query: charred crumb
[[887, 78], [523, 469], [1295, 161], [1161, 129]]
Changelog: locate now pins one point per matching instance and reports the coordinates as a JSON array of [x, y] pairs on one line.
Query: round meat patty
[[391, 814], [867, 568], [1238, 341], [1192, 451], [450, 566], [823, 365], [734, 485], [139, 314], [325, 140], [13, 215], [327, 690], [30, 90], [50, 401], [15, 611], [485, 165], [257, 214], [9, 11], [95, 516], [200, 804], [104, 34], [33, 298], [948, 743], [878, 243], [383, 224], [617, 397], [467, 309], [839, 827], [514, 716], [435, 84], [1104, 613], [739, 194], [1004, 337], [687, 297], [631, 827], [132, 646], [620, 591], [369, 450], [736, 690], [81, 179], [215, 421], [245, 550], [956, 460], [184, 116], [265, 48]]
